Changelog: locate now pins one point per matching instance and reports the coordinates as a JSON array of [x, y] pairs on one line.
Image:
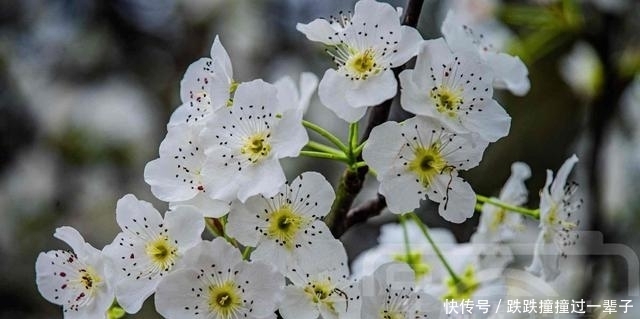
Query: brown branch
[[351, 182]]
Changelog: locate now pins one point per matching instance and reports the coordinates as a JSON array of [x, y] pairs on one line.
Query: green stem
[[340, 157], [358, 149], [246, 253], [479, 207], [533, 213], [425, 231], [360, 164], [405, 236], [323, 148], [353, 139], [326, 134]]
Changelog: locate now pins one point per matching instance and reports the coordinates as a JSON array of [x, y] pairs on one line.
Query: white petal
[[175, 175], [296, 304], [217, 251], [402, 193], [242, 221], [459, 199], [514, 190], [308, 85], [221, 58], [546, 258], [453, 30], [382, 147], [262, 287], [410, 40], [287, 93], [510, 73], [137, 216], [319, 30], [372, 91], [289, 136], [175, 299], [264, 178], [270, 252], [73, 238], [557, 188], [131, 294], [161, 173], [492, 123], [332, 92], [221, 181], [185, 226], [414, 95], [312, 194], [204, 204]]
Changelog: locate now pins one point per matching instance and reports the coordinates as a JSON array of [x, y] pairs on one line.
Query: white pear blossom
[[498, 224], [206, 87], [296, 98], [559, 205], [509, 71], [216, 283], [245, 142], [77, 280], [391, 293], [480, 271], [176, 176], [148, 247], [321, 288], [391, 247], [455, 88], [419, 158], [364, 47], [287, 228]]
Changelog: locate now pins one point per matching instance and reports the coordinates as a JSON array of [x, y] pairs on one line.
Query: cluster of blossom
[[220, 163]]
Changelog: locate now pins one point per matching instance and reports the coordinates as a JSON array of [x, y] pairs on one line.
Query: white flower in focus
[[509, 71], [558, 221], [291, 97], [176, 176], [498, 224], [148, 247], [76, 279], [391, 293], [287, 228], [321, 289], [455, 88], [420, 158], [391, 247], [206, 87], [364, 47], [245, 142], [216, 283]]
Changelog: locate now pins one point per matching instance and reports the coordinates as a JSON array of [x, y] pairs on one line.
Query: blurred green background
[[87, 88]]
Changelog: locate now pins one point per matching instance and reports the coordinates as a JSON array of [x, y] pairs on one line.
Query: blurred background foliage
[[87, 88]]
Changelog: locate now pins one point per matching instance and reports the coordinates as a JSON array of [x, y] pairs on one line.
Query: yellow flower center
[[428, 163], [256, 147], [89, 279], [447, 100], [498, 218], [224, 299], [386, 314], [161, 252], [284, 224], [463, 289], [318, 291], [414, 260], [362, 64]]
